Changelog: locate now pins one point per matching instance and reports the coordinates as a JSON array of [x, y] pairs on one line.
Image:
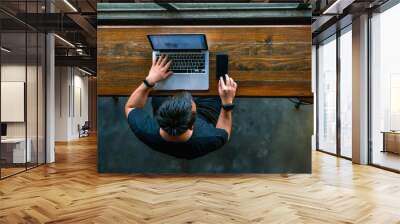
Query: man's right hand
[[159, 70], [227, 89]]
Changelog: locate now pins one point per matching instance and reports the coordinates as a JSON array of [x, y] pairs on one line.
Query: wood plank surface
[[264, 60], [71, 191]]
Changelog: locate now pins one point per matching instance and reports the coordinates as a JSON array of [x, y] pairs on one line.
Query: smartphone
[[221, 65]]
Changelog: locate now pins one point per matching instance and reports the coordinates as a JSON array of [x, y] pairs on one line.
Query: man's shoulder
[[208, 131], [141, 122]]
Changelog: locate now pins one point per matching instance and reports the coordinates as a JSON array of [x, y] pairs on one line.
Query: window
[[346, 92], [385, 89], [335, 137], [327, 96], [22, 77]]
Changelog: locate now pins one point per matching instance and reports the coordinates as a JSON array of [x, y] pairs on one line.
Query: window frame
[[338, 33], [381, 9]]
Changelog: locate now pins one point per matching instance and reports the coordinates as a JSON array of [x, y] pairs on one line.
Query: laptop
[[3, 131], [189, 54]]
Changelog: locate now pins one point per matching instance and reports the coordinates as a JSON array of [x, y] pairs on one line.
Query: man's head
[[177, 114]]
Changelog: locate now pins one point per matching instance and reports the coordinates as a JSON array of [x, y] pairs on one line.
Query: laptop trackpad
[[184, 82]]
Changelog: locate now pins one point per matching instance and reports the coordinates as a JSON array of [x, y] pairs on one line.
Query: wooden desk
[[264, 60], [391, 141]]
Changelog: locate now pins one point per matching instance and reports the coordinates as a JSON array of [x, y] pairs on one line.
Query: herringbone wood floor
[[71, 191]]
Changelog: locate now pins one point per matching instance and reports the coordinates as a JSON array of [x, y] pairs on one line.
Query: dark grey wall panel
[[269, 136]]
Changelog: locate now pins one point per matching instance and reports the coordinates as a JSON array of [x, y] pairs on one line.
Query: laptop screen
[[3, 129], [178, 42]]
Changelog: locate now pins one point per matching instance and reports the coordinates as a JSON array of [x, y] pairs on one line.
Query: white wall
[[17, 73], [12, 73], [71, 94], [81, 104], [61, 103]]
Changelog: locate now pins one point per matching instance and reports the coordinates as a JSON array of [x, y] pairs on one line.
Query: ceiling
[[72, 20]]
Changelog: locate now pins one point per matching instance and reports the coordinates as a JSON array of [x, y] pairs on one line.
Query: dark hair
[[175, 115]]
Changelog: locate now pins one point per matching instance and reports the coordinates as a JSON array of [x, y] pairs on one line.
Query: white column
[[360, 90], [50, 94]]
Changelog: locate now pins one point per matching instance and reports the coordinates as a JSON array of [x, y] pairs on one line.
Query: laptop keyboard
[[186, 63]]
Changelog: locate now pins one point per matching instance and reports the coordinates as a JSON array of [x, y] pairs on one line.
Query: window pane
[[327, 96], [41, 98], [14, 153], [385, 86], [31, 100], [32, 89], [346, 93], [22, 89]]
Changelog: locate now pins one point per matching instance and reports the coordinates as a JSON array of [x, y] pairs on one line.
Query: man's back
[[205, 138]]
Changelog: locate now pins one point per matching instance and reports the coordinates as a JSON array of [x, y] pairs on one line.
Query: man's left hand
[[159, 70]]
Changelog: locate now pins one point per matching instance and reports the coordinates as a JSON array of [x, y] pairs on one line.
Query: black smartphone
[[221, 65]]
